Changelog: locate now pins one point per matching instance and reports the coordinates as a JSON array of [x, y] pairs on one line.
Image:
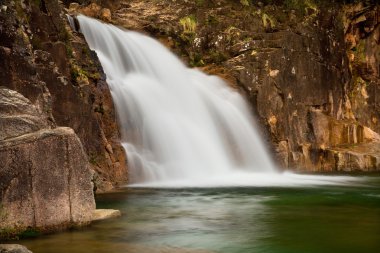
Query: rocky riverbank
[[310, 70], [59, 138]]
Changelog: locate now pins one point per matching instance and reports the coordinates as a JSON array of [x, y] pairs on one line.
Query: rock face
[[310, 69], [51, 66], [45, 180]]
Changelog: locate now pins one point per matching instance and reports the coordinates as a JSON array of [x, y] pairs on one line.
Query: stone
[[34, 161], [102, 214], [45, 181], [13, 248], [18, 115], [105, 15], [73, 6]]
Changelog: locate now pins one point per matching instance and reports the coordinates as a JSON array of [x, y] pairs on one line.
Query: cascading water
[[178, 124]]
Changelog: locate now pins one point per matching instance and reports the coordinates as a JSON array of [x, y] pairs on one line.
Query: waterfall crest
[[176, 123]]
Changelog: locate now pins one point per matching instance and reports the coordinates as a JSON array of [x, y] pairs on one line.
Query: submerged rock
[[102, 214]]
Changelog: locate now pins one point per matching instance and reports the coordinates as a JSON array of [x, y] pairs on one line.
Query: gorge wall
[[310, 69], [41, 58]]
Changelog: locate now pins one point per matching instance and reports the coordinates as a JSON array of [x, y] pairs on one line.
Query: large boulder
[[45, 180]]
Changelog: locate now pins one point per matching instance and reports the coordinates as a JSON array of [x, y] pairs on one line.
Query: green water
[[319, 219]]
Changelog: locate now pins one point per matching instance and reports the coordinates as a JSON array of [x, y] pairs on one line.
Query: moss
[[199, 2], [37, 2], [79, 75], [21, 13], [244, 2], [63, 35], [3, 214], [360, 51], [189, 25], [94, 76], [99, 109], [8, 234], [218, 56], [196, 60], [29, 233], [212, 20], [302, 7], [232, 33], [93, 159], [69, 51]]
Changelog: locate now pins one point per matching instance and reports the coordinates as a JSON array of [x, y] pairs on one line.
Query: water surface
[[319, 219]]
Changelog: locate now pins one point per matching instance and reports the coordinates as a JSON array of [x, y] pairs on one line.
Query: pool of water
[[319, 219]]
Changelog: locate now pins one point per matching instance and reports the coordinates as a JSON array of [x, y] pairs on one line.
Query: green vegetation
[[30, 233], [212, 20], [189, 24], [268, 21], [2, 213], [196, 60], [217, 56], [80, 75], [360, 51], [93, 159], [99, 109], [302, 7], [244, 2], [199, 2], [8, 234]]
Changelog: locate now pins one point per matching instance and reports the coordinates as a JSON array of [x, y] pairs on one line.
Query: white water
[[180, 127]]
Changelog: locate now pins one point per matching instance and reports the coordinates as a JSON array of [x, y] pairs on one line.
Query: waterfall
[[176, 123]]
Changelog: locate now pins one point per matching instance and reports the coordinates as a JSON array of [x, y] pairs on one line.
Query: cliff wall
[[310, 69]]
